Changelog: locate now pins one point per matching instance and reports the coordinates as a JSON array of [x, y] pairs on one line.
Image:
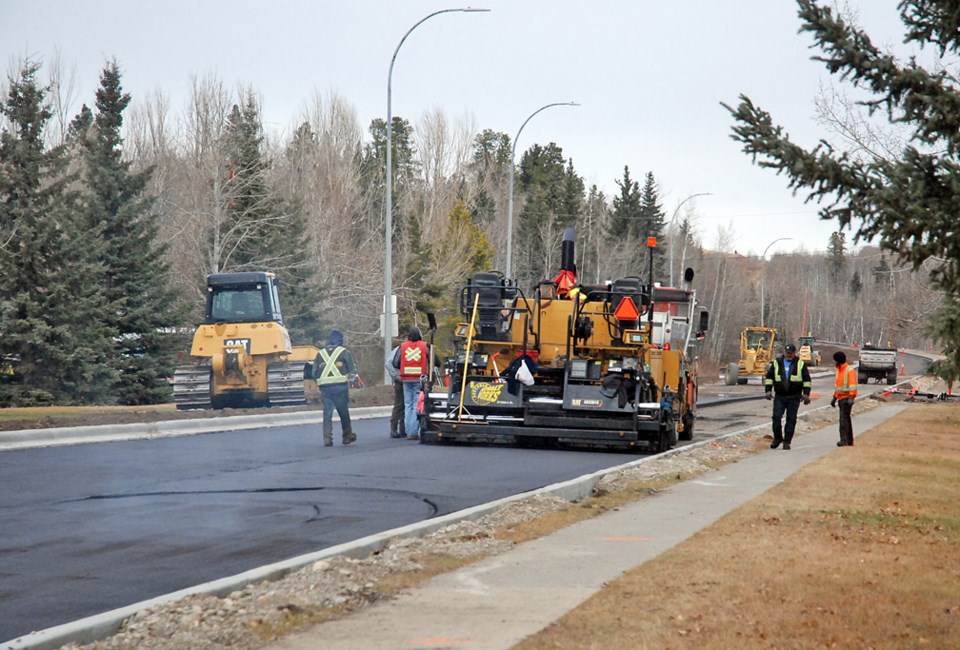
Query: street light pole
[[513, 156], [388, 257], [674, 218], [763, 272]]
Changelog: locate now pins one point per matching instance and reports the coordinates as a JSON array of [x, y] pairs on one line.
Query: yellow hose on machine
[[466, 358]]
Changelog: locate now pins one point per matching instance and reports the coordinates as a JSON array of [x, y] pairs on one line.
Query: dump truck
[[570, 364], [756, 353], [806, 351], [241, 354], [877, 363]]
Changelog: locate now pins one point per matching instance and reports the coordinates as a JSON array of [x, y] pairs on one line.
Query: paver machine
[[569, 364]]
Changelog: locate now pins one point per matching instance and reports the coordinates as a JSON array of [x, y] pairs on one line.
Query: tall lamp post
[[513, 156], [388, 257], [674, 218], [763, 273]]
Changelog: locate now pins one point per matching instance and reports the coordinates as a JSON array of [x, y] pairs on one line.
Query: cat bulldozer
[[570, 364], [756, 353], [242, 356]]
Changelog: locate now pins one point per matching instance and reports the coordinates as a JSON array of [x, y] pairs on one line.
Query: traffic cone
[[902, 370]]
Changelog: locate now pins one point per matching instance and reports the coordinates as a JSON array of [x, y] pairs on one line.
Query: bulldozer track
[[191, 387], [285, 383]]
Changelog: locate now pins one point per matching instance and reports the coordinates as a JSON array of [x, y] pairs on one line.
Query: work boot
[[775, 443], [328, 441], [786, 446], [349, 437]]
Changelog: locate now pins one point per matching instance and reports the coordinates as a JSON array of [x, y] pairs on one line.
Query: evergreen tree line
[[108, 229]]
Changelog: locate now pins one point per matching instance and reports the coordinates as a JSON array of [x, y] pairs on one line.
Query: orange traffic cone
[[902, 371]]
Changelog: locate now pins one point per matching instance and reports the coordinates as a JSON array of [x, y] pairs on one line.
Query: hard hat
[[790, 348]]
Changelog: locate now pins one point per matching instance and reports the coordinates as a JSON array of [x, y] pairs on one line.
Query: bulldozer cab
[[242, 298]]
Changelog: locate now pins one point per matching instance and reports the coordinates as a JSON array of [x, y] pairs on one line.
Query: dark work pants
[[335, 397], [790, 406], [396, 415], [846, 425]]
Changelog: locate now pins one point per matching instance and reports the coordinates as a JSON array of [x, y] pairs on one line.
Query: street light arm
[[674, 218], [513, 151], [513, 157], [763, 273], [764, 256], [418, 23]]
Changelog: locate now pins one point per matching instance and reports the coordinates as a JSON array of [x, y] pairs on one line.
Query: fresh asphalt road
[[88, 528]]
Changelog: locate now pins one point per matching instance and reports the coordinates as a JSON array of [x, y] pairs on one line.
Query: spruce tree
[[625, 221], [651, 225], [909, 202], [264, 231], [544, 180], [143, 310], [837, 258], [52, 302]]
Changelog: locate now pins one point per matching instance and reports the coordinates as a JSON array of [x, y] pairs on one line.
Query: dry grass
[[858, 550], [55, 412]]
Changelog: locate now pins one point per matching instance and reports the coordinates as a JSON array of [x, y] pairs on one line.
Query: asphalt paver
[[497, 602]]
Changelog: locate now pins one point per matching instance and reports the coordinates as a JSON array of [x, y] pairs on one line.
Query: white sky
[[649, 75]]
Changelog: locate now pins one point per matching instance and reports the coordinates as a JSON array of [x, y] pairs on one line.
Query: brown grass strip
[[860, 549]]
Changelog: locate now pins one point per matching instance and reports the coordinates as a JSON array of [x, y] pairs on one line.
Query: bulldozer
[[571, 364], [756, 353], [806, 351], [241, 352]]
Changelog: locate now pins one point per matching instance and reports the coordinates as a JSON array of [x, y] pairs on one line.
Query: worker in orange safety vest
[[413, 362], [844, 394]]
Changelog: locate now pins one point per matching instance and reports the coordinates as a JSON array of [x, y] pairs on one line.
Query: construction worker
[[844, 394], [787, 383], [413, 363], [334, 368], [397, 428]]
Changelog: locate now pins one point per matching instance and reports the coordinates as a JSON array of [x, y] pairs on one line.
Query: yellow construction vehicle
[[756, 353], [242, 352], [806, 353], [572, 363]]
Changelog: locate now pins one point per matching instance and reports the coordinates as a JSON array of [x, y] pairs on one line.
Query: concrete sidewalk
[[497, 602]]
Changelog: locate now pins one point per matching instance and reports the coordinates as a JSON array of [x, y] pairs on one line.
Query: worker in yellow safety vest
[[787, 383], [334, 366]]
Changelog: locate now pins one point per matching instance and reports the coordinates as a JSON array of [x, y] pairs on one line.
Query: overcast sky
[[649, 75]]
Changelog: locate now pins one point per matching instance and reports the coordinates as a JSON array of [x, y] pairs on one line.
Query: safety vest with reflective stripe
[[846, 383], [413, 360], [795, 377], [331, 373]]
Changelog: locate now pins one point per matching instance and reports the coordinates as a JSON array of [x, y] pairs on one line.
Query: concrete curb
[[30, 438]]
